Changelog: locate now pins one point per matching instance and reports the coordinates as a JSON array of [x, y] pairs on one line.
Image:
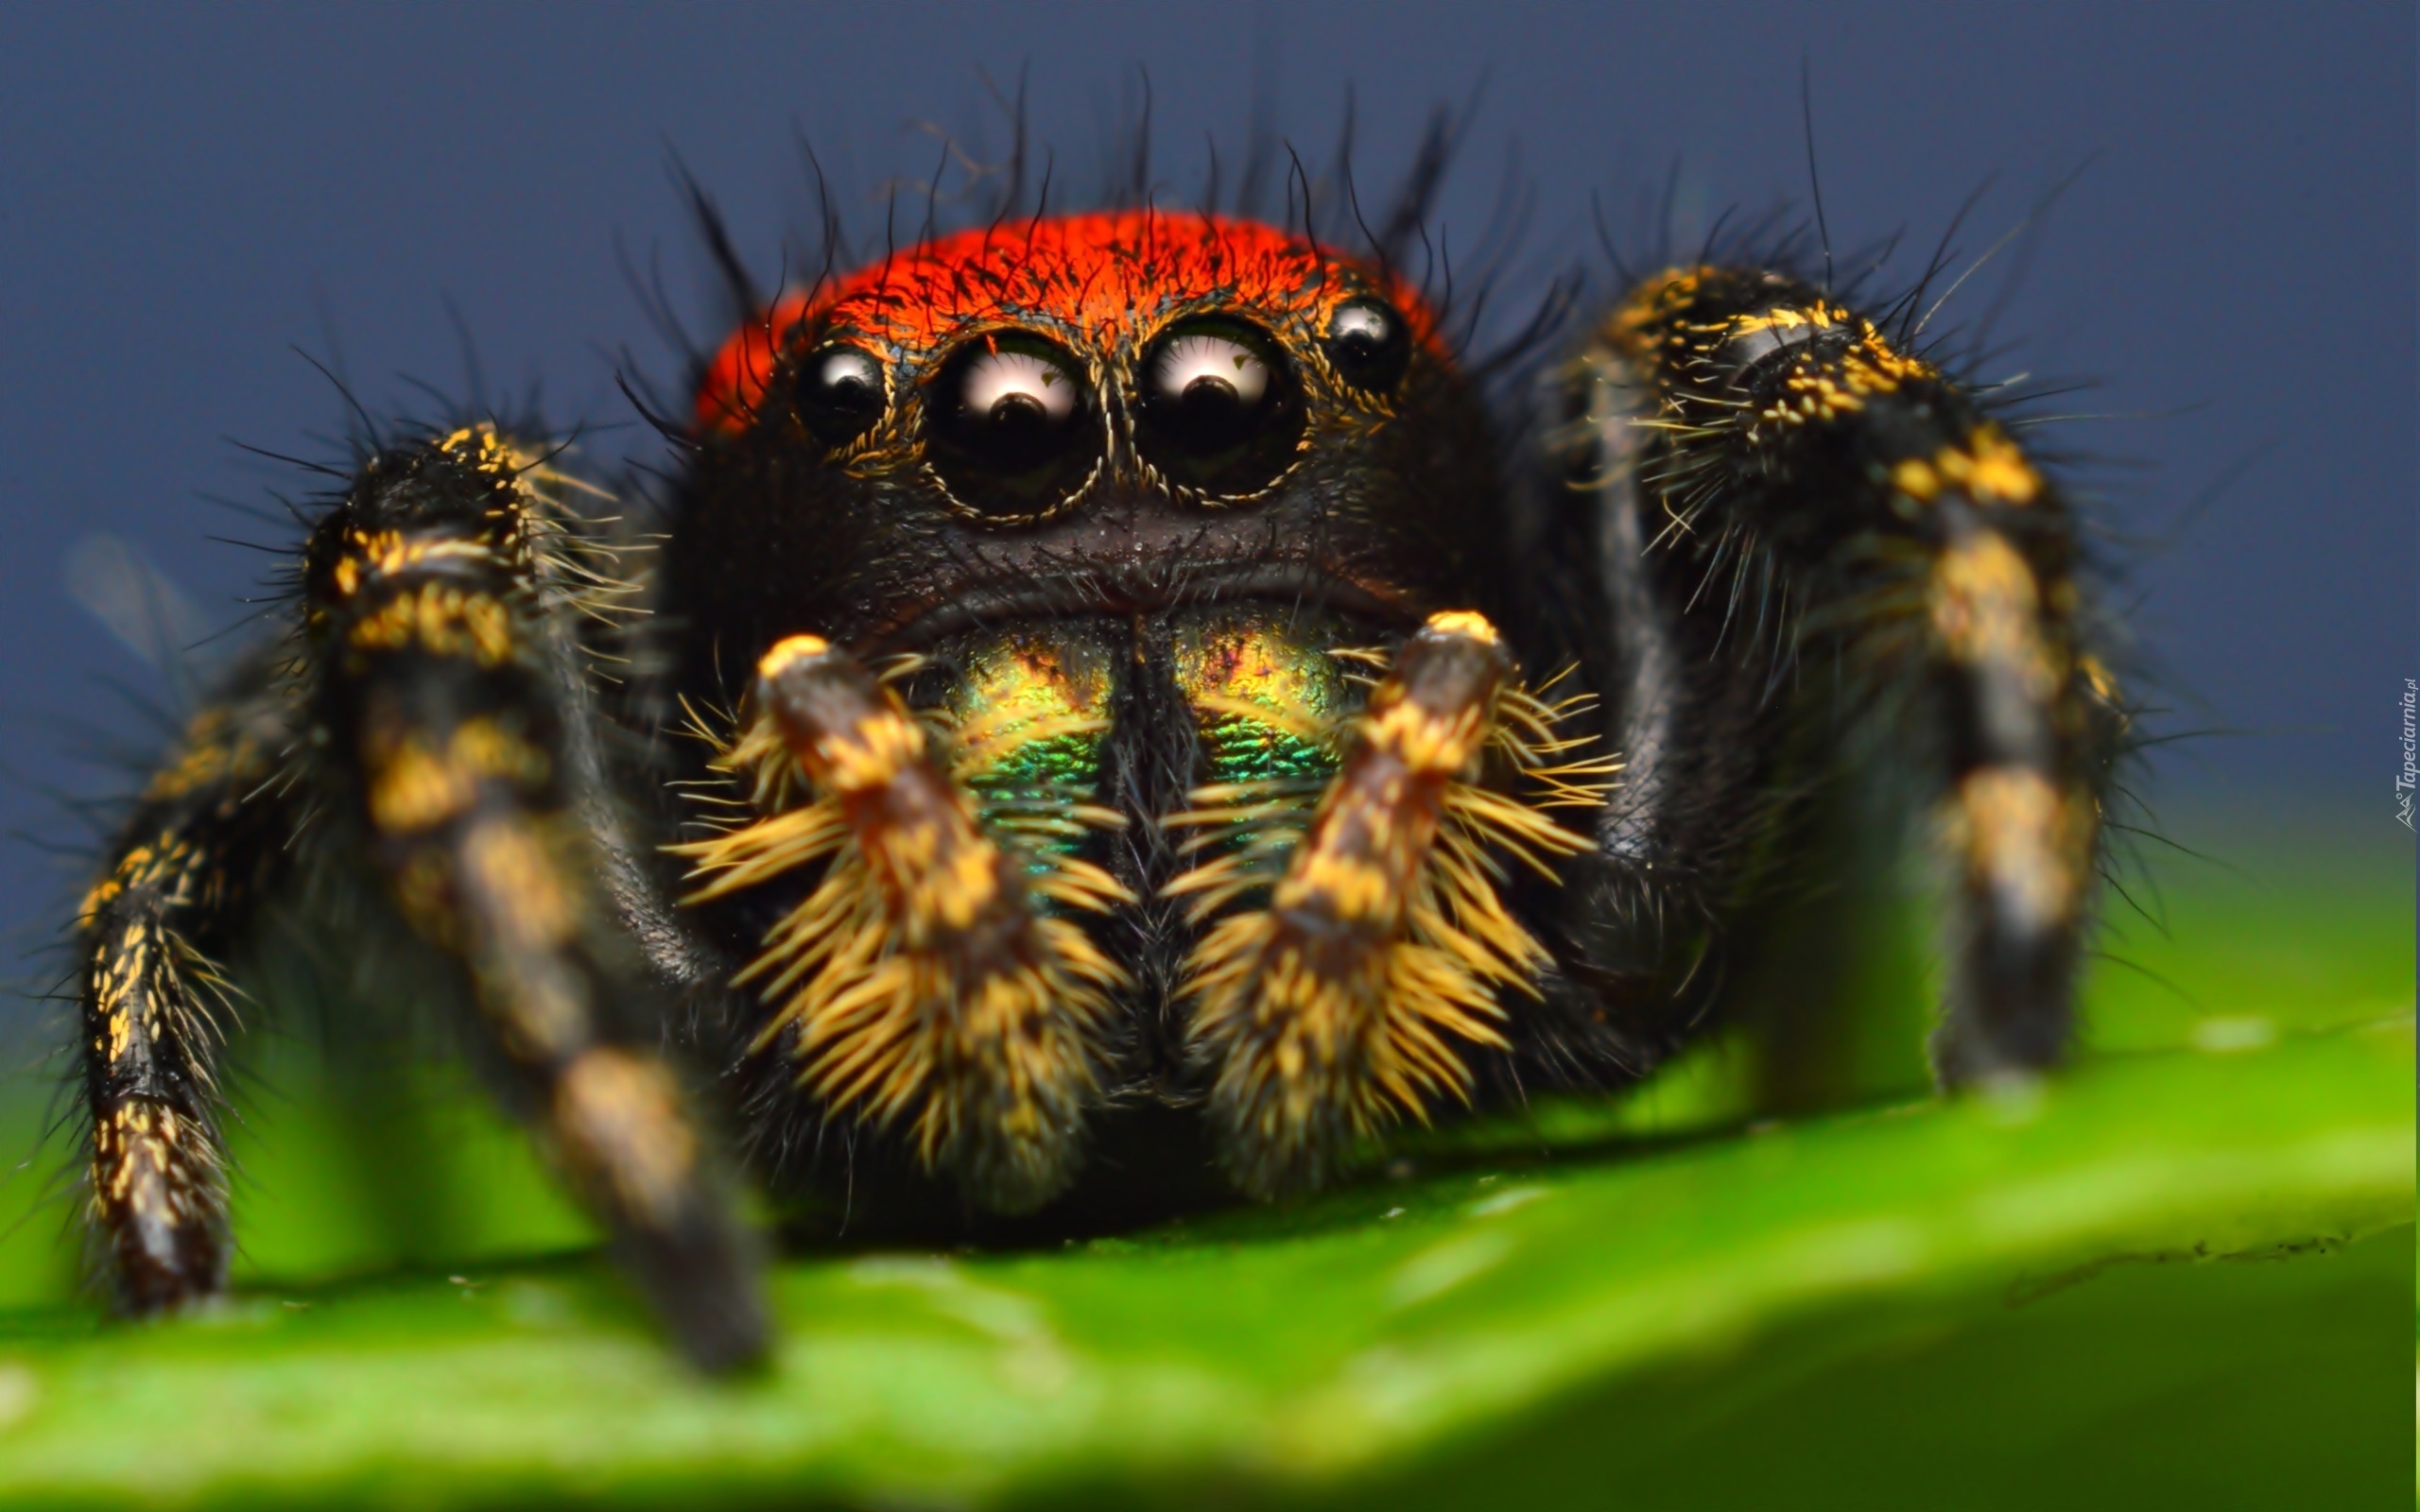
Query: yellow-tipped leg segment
[[921, 982], [442, 681], [1780, 438], [199, 851], [1338, 1004]]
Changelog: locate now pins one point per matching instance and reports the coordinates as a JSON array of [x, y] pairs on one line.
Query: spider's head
[[1106, 414]]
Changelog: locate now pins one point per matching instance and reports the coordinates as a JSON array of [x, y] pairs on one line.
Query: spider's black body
[[1085, 671]]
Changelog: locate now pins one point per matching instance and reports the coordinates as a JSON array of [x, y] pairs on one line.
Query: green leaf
[[2048, 1293]]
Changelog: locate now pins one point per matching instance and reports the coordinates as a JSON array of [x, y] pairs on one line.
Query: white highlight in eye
[[849, 375], [1191, 359], [1362, 323], [1017, 379]]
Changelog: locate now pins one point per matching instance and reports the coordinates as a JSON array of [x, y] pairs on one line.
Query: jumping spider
[[1105, 662]]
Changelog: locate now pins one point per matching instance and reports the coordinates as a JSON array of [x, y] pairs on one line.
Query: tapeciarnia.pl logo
[[2405, 778]]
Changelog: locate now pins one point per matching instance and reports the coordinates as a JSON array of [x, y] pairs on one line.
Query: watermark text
[[2406, 780]]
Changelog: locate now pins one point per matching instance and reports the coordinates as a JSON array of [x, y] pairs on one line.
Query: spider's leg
[[1816, 487], [1332, 1002], [1676, 840], [922, 982], [204, 845], [436, 596]]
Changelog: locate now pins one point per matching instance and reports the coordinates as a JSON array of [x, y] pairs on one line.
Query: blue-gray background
[[187, 192]]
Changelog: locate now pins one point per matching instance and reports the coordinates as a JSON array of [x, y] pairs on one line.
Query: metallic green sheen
[[1043, 777], [1246, 750]]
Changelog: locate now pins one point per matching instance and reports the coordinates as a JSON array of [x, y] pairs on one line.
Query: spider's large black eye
[[1368, 345], [1219, 410], [839, 395], [1011, 424]]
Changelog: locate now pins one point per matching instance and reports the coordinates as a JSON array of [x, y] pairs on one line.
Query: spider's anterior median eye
[[1009, 424], [1218, 410], [839, 395], [1368, 345]]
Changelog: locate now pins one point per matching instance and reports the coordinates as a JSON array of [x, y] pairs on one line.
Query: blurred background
[[189, 196]]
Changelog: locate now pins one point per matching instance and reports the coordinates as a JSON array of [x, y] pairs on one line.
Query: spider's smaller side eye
[[1368, 345], [1010, 426], [839, 395], [1218, 408]]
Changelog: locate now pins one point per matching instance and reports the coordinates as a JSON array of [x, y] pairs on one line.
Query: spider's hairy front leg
[[206, 840], [1819, 486], [437, 594], [921, 982], [1336, 1005]]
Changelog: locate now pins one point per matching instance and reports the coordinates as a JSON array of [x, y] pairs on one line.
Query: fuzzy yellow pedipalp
[[1380, 939], [918, 982]]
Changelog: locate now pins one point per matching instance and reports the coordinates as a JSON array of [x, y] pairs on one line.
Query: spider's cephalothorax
[[1103, 662]]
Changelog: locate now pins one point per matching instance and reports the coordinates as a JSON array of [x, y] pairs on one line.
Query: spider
[[1099, 667]]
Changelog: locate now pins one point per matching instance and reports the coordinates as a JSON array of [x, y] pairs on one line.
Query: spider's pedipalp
[[921, 982], [1337, 1004], [444, 691]]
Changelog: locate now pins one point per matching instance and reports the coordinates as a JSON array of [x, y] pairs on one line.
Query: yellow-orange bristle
[[914, 984], [1400, 852]]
